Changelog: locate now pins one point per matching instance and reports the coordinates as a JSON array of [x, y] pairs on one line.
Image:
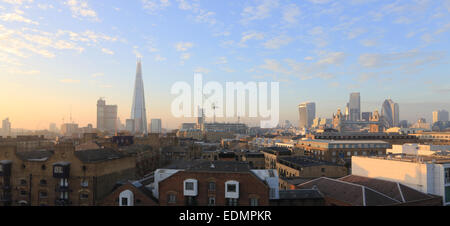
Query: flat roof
[[347, 141], [433, 159]]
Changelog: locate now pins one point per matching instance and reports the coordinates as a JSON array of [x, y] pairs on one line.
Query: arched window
[[126, 198]]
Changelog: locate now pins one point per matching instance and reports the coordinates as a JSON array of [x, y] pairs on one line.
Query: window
[[253, 202], [172, 198], [23, 192], [84, 183], [447, 194], [191, 200], [1, 168], [211, 201], [127, 196], [190, 186], [64, 182], [43, 194], [232, 202], [447, 175], [231, 188], [64, 195], [23, 182], [58, 169], [124, 202], [84, 196], [212, 186], [323, 170], [43, 182]]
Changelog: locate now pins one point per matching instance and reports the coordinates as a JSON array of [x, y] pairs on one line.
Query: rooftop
[[301, 161], [346, 141], [205, 165], [300, 194], [37, 155], [430, 159], [99, 155]]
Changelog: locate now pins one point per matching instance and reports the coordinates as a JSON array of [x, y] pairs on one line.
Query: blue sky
[[58, 57]]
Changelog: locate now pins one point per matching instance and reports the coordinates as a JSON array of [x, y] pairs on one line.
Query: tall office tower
[[390, 111], [155, 126], [6, 127], [404, 124], [365, 116], [106, 116], [441, 115], [138, 112], [347, 112], [354, 107], [129, 125], [307, 114], [53, 128]]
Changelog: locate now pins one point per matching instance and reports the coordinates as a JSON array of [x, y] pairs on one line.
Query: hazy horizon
[[58, 58]]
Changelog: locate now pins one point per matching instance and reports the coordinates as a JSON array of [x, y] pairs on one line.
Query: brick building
[[341, 151], [130, 194], [305, 167], [61, 176], [221, 183]]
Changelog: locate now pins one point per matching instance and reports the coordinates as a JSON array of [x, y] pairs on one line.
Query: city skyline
[[226, 41]]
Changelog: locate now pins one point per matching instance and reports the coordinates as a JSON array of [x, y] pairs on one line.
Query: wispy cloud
[[80, 9], [183, 46], [260, 11]]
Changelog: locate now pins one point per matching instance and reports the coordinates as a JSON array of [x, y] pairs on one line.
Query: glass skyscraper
[[138, 111]]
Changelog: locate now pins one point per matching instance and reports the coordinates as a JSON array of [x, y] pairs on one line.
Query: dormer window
[[232, 189], [126, 198], [190, 187]]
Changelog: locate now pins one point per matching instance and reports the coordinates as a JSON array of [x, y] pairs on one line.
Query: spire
[[138, 111]]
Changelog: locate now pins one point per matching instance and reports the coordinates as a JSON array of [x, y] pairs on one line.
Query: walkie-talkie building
[[138, 112]]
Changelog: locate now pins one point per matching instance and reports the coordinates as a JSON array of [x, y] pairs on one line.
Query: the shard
[[138, 112]]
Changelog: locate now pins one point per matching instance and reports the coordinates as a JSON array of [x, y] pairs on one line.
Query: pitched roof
[[38, 155], [352, 194], [99, 155], [300, 194], [392, 189]]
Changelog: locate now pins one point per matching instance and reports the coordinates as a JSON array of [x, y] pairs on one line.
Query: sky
[[57, 58]]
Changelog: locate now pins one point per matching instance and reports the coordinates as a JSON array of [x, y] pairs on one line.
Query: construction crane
[[214, 107]]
